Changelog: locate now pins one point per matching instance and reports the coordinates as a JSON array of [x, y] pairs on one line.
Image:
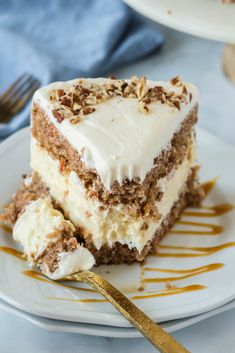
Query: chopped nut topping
[[177, 104], [58, 115], [79, 101], [74, 120], [176, 81], [141, 88], [76, 106], [87, 110], [59, 93], [184, 91], [147, 100], [66, 100], [143, 108]]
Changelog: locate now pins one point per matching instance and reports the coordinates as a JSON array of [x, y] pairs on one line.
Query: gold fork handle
[[153, 332]]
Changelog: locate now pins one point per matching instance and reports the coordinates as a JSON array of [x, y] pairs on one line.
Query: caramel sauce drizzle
[[13, 252], [213, 229], [184, 273], [213, 211], [39, 277], [6, 228], [179, 290], [201, 251], [217, 210], [163, 293], [209, 185], [88, 300]]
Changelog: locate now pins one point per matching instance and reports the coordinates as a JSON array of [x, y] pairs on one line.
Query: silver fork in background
[[16, 96]]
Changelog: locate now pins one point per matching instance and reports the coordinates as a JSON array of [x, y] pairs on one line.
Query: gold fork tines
[[17, 95], [164, 342]]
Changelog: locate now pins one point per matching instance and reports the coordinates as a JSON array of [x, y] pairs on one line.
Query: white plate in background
[[204, 18]]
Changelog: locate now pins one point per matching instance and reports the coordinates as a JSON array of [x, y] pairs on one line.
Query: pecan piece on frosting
[[58, 115], [141, 88]]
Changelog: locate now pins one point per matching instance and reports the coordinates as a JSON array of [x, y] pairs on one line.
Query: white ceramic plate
[[205, 18], [215, 288], [109, 331]]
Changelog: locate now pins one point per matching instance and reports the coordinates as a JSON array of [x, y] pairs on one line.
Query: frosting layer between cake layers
[[106, 226]]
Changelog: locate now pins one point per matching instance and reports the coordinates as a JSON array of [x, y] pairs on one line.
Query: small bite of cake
[[48, 240]]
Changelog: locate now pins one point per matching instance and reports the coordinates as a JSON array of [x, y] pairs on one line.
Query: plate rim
[[165, 19], [109, 331]]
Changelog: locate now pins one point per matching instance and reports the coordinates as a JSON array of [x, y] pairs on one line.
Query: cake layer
[[107, 225], [144, 115], [141, 197], [119, 253], [190, 196]]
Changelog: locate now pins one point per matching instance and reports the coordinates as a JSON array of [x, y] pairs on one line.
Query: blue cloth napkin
[[70, 38]]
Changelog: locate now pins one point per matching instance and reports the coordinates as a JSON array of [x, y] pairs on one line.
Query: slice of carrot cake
[[118, 159]]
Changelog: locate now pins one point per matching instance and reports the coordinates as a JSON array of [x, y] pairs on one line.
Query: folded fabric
[[73, 38]]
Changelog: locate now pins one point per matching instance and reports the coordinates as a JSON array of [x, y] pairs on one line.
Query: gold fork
[[164, 342], [17, 95]]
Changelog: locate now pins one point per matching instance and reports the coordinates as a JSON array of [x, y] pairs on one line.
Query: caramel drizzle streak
[[6, 228], [88, 300], [202, 251], [213, 229], [163, 293], [208, 185], [217, 210], [12, 252], [185, 273], [179, 290], [39, 277]]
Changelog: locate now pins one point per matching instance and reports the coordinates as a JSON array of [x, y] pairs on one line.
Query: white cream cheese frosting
[[117, 140]]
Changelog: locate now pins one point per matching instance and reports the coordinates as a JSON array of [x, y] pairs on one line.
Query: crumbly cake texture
[[119, 253], [49, 240], [117, 158]]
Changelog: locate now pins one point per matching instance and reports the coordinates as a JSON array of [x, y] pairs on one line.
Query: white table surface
[[198, 61]]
